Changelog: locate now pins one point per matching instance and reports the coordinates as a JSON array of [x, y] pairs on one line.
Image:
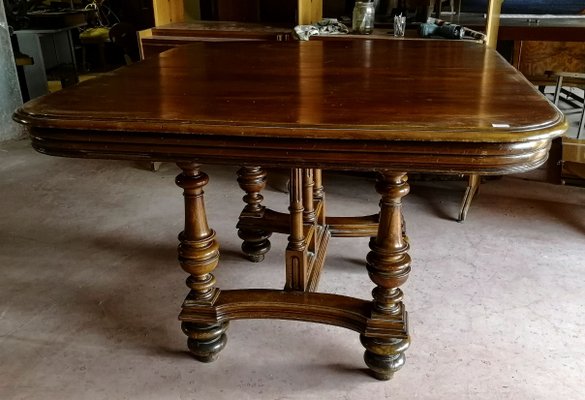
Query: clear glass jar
[[363, 18]]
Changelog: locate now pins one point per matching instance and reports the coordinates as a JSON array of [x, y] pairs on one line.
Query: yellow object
[[99, 34]]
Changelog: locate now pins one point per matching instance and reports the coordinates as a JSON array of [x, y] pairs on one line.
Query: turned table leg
[[255, 241], [388, 264], [198, 256]]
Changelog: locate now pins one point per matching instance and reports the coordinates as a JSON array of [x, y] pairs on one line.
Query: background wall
[[10, 97]]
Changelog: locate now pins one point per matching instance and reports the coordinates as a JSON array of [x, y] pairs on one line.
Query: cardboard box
[[573, 158]]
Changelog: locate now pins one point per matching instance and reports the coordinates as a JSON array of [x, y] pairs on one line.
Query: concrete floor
[[90, 290]]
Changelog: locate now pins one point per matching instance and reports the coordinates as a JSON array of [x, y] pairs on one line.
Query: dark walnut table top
[[412, 105]]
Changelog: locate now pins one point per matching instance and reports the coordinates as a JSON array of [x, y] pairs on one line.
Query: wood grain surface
[[424, 105]]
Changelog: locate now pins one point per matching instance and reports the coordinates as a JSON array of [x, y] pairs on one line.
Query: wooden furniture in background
[[571, 79], [283, 107], [167, 12], [537, 58], [162, 38], [573, 153], [51, 49], [539, 45]]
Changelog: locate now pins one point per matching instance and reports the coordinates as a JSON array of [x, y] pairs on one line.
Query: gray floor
[[90, 290]]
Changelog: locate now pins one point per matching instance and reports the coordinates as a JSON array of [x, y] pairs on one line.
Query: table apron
[[411, 156]]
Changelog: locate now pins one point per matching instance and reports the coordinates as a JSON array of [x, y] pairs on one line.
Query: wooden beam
[[168, 11], [493, 22], [142, 35], [310, 11]]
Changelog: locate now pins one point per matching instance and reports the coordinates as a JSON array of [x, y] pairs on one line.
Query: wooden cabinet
[[171, 11], [165, 37], [178, 22]]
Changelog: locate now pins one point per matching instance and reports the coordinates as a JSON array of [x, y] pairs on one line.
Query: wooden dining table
[[388, 106]]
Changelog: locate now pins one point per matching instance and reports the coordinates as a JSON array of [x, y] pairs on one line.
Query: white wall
[[10, 97]]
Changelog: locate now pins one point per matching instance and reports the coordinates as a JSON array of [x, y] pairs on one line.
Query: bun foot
[[205, 342], [255, 245], [384, 357]]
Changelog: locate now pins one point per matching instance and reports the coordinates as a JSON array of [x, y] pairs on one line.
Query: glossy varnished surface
[[415, 105], [414, 89]]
